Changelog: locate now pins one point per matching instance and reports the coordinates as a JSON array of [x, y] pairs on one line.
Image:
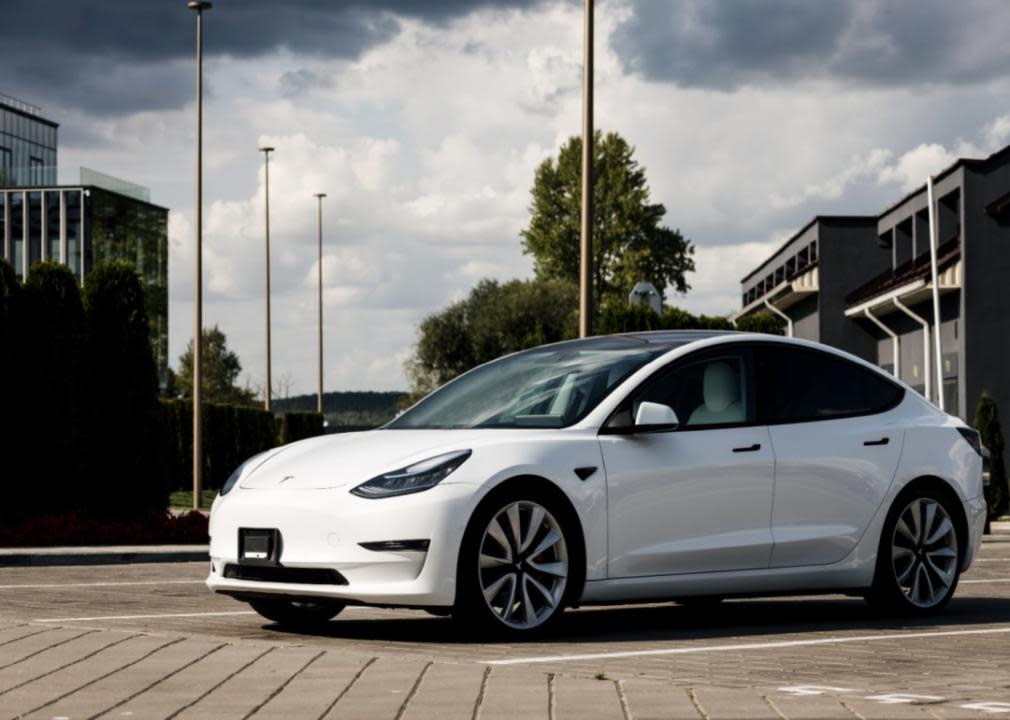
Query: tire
[[919, 557], [518, 584], [304, 614]]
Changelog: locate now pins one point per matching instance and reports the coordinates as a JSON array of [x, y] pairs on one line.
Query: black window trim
[[698, 355]]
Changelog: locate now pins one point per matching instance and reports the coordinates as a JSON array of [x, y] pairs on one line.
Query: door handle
[[750, 448], [881, 441]]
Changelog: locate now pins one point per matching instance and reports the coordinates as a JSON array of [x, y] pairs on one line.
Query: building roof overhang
[[786, 294]]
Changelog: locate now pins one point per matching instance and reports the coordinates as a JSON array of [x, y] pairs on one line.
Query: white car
[[641, 467]]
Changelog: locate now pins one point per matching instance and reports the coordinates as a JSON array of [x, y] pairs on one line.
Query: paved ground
[[148, 641]]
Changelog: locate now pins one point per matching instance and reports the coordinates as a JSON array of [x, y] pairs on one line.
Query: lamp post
[[268, 388], [586, 244], [199, 7], [319, 225]]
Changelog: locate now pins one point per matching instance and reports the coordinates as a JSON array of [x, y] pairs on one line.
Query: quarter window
[[799, 385]]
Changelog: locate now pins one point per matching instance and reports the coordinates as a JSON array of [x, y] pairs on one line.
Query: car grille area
[[280, 574]]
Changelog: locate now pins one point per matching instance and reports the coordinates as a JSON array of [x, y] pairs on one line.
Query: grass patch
[[183, 499]]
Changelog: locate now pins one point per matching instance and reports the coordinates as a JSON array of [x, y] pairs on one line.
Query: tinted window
[[710, 390], [797, 385]]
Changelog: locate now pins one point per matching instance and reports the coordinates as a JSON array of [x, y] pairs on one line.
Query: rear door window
[[801, 384]]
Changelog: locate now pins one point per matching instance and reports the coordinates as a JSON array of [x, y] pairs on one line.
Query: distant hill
[[361, 409]]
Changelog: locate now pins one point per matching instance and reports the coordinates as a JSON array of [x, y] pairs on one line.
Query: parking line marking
[[747, 646], [146, 617], [41, 586], [979, 582]]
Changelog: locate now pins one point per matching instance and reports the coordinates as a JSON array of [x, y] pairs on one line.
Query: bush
[[294, 426], [760, 322], [988, 425], [231, 435]]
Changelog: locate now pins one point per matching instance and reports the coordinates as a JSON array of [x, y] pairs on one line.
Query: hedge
[[991, 432], [294, 426], [231, 435]]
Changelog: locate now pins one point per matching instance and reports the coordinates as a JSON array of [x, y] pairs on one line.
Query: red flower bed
[[70, 529]]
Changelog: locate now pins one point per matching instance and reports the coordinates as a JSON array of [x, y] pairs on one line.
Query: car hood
[[347, 459]]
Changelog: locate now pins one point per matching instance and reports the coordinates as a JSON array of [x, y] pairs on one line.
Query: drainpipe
[[789, 320], [895, 341], [925, 343], [936, 292]]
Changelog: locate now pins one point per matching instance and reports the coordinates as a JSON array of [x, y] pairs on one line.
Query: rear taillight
[[973, 438]]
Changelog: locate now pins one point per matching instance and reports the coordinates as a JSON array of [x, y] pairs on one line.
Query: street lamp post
[[586, 244], [268, 387], [319, 224], [199, 7]]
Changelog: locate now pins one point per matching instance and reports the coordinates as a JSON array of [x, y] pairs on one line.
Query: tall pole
[[586, 260], [319, 225], [268, 387], [936, 294], [199, 6]]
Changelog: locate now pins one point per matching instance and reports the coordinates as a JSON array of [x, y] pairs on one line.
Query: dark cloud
[[118, 56], [725, 44]]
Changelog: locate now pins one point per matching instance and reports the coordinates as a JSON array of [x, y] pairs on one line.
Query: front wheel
[[919, 559], [304, 614], [516, 565]]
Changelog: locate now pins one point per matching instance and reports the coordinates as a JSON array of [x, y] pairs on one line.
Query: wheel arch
[[544, 485]]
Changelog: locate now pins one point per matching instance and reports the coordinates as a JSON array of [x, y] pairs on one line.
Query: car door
[[837, 447], [697, 498]]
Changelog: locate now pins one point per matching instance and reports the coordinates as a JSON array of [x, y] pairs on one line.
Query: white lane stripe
[[746, 646], [38, 586], [146, 617], [994, 580]]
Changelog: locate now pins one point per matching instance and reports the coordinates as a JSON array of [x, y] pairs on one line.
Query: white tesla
[[639, 467]]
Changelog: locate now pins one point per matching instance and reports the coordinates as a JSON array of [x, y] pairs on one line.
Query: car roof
[[655, 340]]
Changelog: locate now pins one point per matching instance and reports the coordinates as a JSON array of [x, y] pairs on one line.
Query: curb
[[43, 557]]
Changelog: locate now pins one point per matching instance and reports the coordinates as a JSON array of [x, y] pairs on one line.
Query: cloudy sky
[[423, 120]]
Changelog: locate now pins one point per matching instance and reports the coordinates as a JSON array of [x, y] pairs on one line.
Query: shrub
[[988, 425], [760, 322], [294, 426]]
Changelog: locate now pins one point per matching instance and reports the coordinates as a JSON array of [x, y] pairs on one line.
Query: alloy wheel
[[523, 565], [924, 552]]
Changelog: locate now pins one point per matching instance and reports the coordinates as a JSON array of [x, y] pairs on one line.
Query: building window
[[73, 200], [35, 170], [6, 164], [53, 226], [17, 216], [34, 228]]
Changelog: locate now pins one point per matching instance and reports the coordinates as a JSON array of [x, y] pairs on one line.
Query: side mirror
[[655, 417]]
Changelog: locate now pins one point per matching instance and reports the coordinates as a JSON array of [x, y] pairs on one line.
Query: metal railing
[[43, 176], [20, 104]]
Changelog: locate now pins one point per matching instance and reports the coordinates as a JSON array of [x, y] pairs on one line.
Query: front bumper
[[323, 529]]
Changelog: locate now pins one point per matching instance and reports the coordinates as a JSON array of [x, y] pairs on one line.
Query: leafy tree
[[221, 369], [760, 322], [494, 320], [124, 407], [629, 243], [988, 425]]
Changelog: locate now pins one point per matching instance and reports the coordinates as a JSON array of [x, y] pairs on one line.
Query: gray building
[[78, 217], [872, 288]]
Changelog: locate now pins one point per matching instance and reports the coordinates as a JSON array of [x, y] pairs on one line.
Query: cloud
[[726, 45], [120, 56]]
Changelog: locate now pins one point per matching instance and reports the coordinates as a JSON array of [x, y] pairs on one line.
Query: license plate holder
[[259, 546]]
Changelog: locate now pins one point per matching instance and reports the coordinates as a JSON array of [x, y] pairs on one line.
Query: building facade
[[27, 144], [879, 302], [79, 218]]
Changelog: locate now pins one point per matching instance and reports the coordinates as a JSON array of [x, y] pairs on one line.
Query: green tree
[[494, 320], [629, 242], [221, 369], [760, 322], [125, 449], [991, 431]]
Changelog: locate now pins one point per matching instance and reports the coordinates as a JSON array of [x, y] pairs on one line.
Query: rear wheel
[[919, 559], [297, 613], [516, 565]]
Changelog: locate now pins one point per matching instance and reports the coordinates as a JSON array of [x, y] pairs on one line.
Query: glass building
[[27, 145], [77, 218]]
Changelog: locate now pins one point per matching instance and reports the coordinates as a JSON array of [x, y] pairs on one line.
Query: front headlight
[[233, 478], [414, 478]]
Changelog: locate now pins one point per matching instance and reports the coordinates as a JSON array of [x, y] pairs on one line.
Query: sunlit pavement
[[149, 641]]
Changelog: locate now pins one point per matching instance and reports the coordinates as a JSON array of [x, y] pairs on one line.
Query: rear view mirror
[[653, 417]]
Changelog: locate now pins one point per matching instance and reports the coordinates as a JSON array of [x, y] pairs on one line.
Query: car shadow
[[735, 619]]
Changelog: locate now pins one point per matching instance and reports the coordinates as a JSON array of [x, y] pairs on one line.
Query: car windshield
[[549, 387]]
